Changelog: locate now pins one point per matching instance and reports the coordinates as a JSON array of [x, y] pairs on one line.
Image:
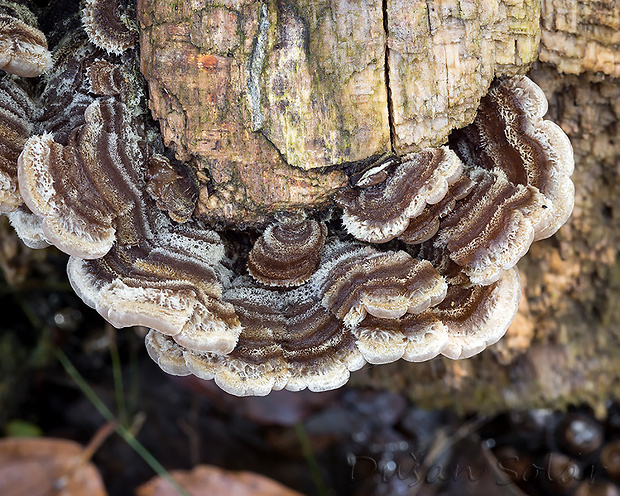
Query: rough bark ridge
[[581, 36], [443, 56]]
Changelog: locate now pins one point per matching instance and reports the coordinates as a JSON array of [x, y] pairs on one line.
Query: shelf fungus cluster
[[413, 257]]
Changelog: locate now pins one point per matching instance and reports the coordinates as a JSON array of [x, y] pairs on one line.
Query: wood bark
[[272, 98]]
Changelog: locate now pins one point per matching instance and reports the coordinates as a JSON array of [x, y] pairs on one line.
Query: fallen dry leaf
[[206, 480], [46, 467]]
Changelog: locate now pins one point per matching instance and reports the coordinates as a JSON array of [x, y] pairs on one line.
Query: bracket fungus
[[523, 165], [17, 115], [23, 48], [265, 276], [108, 25], [381, 211]]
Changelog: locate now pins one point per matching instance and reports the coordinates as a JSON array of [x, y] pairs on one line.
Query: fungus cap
[[379, 211], [288, 252], [23, 48], [108, 27], [18, 114]]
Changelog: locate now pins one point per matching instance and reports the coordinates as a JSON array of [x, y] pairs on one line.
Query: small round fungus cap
[[288, 252], [23, 48]]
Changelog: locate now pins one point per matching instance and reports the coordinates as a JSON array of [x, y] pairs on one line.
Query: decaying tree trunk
[[271, 101], [564, 346], [400, 75]]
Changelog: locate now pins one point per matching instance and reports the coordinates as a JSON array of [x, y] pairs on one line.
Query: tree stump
[[398, 76]]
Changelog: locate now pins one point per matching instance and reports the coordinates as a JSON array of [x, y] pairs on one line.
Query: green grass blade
[[121, 430], [310, 458]]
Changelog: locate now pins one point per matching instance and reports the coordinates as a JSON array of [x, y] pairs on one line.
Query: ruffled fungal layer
[[81, 202], [425, 226], [170, 282], [28, 227], [531, 151], [478, 316], [23, 48], [357, 280], [17, 122], [299, 338], [303, 337], [68, 91], [382, 210], [469, 319], [105, 78], [89, 195], [414, 337], [291, 338], [491, 229], [516, 188], [318, 368], [107, 26], [59, 109], [85, 185], [289, 341], [521, 165], [288, 252]]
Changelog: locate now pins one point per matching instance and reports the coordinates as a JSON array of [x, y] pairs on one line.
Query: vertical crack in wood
[[390, 103], [429, 9]]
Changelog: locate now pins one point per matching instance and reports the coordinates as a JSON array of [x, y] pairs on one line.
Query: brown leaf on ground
[[206, 480], [46, 467]]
